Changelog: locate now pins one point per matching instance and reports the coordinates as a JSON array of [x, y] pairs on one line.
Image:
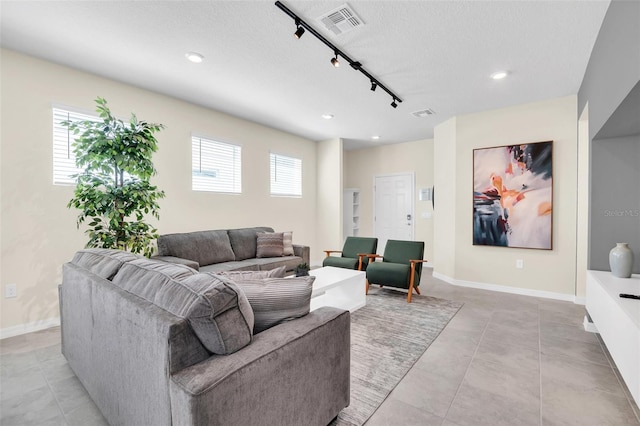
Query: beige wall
[[361, 165], [329, 204], [39, 232], [445, 198], [544, 270]]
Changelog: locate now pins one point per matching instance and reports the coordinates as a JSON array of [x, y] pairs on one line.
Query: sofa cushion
[[103, 262], [215, 307], [269, 244], [275, 300], [243, 241], [287, 243], [205, 247], [254, 275]]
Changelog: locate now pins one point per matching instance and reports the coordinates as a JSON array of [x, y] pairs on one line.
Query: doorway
[[393, 215]]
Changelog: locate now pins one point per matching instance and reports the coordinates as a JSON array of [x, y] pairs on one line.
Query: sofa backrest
[[204, 247], [243, 241]]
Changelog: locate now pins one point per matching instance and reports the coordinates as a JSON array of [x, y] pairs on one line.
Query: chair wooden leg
[[417, 290], [367, 288], [413, 275]]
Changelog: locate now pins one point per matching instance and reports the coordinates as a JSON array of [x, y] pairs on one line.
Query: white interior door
[[393, 208]]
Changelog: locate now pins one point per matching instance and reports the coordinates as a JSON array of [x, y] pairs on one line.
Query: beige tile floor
[[502, 360]]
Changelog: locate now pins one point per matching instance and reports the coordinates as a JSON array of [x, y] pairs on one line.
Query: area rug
[[388, 336]]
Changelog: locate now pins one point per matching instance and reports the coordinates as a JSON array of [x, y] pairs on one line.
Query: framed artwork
[[513, 196]]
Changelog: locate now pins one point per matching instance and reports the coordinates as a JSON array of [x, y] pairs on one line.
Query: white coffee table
[[338, 287]]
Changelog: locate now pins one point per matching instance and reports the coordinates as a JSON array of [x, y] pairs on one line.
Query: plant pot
[[621, 260], [302, 272]]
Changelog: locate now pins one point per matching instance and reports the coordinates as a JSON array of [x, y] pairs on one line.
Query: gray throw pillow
[[103, 262], [275, 300], [217, 310], [269, 244], [287, 243], [254, 275]]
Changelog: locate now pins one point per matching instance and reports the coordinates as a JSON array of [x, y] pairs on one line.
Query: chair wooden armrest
[[328, 252], [372, 258]]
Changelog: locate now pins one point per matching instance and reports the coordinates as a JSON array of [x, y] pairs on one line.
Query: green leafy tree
[[114, 193]]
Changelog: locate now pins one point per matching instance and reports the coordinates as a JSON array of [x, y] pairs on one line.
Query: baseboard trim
[[30, 327], [589, 326], [507, 289], [580, 300]]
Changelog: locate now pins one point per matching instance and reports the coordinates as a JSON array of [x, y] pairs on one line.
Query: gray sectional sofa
[[156, 343], [224, 250]]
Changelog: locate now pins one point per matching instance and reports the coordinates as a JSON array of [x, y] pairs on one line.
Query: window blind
[[286, 176], [216, 166], [64, 162]]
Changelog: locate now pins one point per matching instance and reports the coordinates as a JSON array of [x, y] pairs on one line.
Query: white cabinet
[[618, 322], [351, 212]]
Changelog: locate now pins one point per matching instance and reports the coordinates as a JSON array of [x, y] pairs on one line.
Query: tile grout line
[[623, 385], [64, 415], [469, 366], [540, 362]]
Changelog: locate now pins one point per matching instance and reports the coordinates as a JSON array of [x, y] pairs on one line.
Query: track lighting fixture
[[299, 30], [334, 61], [301, 26]]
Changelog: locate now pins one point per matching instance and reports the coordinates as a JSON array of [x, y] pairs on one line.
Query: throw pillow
[[287, 243], [275, 300], [254, 275], [269, 244], [217, 310]]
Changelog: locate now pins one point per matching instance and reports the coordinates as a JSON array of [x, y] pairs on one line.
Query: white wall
[[38, 231], [329, 204], [361, 165], [550, 271]]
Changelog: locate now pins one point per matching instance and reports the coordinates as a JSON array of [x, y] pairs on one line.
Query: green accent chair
[[350, 254], [401, 266]]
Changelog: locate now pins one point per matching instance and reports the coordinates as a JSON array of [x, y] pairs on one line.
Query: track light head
[[299, 30], [394, 104], [374, 86], [335, 62]]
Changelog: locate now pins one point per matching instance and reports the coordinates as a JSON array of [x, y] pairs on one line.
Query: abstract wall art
[[513, 196]]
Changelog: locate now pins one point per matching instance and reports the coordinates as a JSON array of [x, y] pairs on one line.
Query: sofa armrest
[[297, 372], [303, 252], [172, 259]]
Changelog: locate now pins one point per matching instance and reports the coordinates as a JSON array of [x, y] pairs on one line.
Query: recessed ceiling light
[[327, 116], [499, 75], [375, 138], [194, 57]]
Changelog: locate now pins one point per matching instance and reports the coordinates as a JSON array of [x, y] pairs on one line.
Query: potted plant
[[302, 270], [113, 193]]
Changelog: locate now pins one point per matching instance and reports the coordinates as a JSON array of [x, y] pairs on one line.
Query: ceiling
[[433, 54]]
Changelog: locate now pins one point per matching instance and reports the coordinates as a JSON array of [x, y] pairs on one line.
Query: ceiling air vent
[[341, 20], [423, 112]]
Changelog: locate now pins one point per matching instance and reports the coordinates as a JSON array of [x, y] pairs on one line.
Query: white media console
[[618, 322]]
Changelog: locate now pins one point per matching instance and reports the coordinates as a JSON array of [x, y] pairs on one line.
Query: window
[[64, 162], [286, 176], [216, 166]]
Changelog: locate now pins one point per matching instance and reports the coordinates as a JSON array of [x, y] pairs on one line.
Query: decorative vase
[[621, 260]]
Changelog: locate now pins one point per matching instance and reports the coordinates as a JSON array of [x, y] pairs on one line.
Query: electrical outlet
[[10, 290], [520, 264]]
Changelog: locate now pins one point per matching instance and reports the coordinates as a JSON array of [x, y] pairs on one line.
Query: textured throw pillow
[[287, 243], [103, 262], [275, 300], [269, 244], [217, 310], [254, 275]]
